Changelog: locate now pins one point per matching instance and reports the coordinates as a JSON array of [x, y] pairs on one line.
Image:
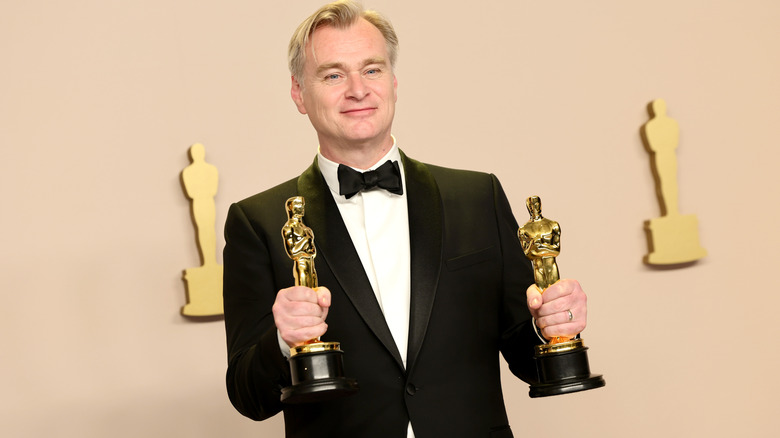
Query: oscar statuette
[[562, 363], [316, 367]]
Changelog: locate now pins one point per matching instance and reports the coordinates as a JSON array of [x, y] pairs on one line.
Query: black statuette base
[[318, 377], [564, 372]]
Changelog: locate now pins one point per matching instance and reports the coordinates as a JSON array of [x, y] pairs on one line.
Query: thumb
[[534, 296], [323, 296]]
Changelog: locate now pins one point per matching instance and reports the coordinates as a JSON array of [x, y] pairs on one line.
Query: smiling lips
[[358, 111]]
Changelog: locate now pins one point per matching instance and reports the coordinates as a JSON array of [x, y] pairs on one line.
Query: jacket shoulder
[[272, 195], [460, 182], [262, 211]]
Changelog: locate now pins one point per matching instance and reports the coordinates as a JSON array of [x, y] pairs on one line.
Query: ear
[[395, 88], [296, 92]]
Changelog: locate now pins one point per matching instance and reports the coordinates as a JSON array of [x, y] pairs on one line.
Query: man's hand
[[300, 312], [551, 308]]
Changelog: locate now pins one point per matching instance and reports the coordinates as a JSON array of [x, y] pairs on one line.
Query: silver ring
[[571, 316]]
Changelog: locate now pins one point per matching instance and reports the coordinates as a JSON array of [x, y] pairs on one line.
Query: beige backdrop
[[100, 101]]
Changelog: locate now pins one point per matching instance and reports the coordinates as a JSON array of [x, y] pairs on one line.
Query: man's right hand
[[300, 312]]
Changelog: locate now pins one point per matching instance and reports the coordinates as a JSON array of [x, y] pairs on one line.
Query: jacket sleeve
[[257, 370], [518, 335]]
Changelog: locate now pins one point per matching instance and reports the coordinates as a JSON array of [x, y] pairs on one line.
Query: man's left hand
[[562, 310]]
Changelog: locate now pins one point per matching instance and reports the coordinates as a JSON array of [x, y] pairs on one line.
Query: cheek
[[323, 113], [326, 104], [314, 105]]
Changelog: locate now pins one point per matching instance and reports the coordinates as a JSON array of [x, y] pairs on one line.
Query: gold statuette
[[541, 242], [299, 243], [562, 364], [316, 367]]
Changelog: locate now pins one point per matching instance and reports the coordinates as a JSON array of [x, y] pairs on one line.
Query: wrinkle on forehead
[[310, 44]]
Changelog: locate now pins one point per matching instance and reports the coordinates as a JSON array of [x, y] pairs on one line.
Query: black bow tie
[[386, 176]]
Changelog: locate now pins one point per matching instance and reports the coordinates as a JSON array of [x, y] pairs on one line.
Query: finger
[[534, 297], [299, 293], [294, 322], [298, 309], [559, 289], [568, 330], [300, 336], [288, 323], [562, 296], [559, 324], [293, 309], [323, 296], [324, 313], [554, 319], [553, 307]]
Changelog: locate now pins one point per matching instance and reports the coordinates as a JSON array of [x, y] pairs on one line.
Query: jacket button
[[410, 389]]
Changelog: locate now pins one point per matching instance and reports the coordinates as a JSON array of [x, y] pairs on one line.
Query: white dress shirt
[[378, 224]]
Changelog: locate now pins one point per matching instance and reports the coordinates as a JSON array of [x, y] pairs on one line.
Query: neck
[[357, 155]]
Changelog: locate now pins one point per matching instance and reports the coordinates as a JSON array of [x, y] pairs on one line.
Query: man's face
[[348, 89]]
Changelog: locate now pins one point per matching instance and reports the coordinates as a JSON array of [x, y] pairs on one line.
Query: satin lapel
[[425, 235], [334, 247]]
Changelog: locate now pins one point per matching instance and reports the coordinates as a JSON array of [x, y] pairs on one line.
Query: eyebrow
[[342, 66]]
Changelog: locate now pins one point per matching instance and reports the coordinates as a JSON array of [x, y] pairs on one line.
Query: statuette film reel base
[[317, 371], [563, 368]]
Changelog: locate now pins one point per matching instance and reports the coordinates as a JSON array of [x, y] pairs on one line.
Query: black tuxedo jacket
[[468, 275]]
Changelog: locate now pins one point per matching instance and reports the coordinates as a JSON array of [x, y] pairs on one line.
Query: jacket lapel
[[335, 249], [425, 235]]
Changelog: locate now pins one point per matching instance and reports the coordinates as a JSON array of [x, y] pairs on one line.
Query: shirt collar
[[329, 169]]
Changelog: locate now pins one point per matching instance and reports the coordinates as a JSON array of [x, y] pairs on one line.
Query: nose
[[356, 87]]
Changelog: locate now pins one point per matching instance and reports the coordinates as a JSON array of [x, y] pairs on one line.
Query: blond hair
[[340, 14]]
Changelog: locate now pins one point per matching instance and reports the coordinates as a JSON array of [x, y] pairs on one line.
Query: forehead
[[350, 45]]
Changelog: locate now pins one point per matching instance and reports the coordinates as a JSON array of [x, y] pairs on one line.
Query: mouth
[[358, 111]]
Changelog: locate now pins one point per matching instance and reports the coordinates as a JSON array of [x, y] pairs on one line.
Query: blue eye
[[333, 78], [373, 73]]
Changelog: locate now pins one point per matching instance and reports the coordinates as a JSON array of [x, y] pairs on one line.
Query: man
[[422, 286]]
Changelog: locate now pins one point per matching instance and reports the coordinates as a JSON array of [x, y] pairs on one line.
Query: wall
[[99, 102]]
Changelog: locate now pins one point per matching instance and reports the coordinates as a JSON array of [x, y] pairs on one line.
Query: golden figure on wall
[[204, 283], [673, 238]]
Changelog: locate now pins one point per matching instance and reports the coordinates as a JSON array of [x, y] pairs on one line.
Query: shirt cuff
[[536, 329], [283, 345]]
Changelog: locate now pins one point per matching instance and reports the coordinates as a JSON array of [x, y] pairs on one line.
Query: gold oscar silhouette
[[673, 238], [316, 367], [204, 283], [562, 364]]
